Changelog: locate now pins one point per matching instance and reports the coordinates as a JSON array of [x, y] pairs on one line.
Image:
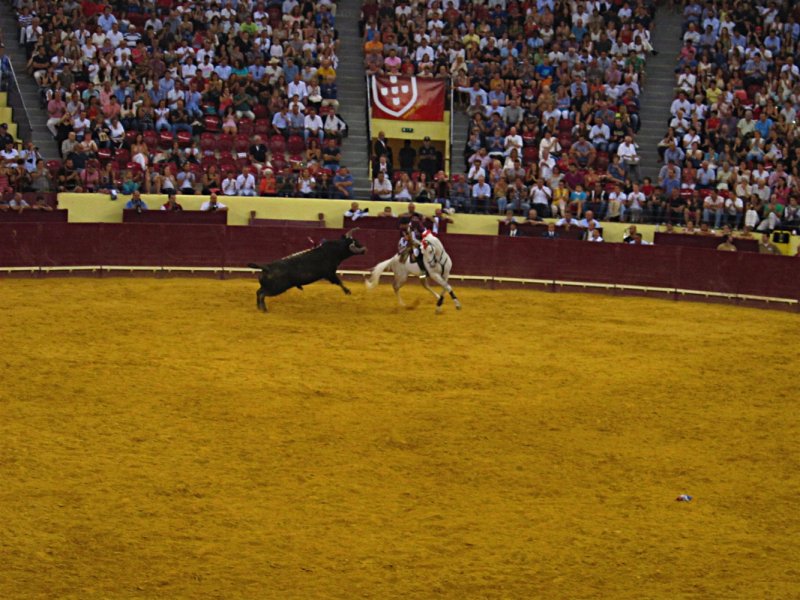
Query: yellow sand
[[162, 439]]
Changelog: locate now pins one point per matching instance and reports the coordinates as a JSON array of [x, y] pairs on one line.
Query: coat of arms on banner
[[398, 97]]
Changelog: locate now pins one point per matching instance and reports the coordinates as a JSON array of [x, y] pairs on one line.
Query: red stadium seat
[[184, 139], [296, 145], [602, 161], [242, 163], [53, 166], [277, 144], [208, 142], [263, 127], [530, 154], [130, 137], [565, 125], [246, 126], [165, 139], [211, 123], [151, 139], [207, 161], [278, 162], [242, 143], [225, 142], [296, 161], [104, 155], [122, 156], [261, 111]]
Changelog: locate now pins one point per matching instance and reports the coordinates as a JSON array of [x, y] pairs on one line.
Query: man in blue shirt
[[223, 69], [136, 202], [193, 102], [764, 124], [343, 183], [291, 69], [257, 69], [167, 83], [157, 94], [106, 20], [122, 92], [706, 177], [280, 122]]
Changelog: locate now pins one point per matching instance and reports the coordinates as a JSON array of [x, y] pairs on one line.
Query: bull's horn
[[351, 232], [356, 250]]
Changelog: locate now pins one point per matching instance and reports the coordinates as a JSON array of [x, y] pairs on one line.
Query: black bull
[[306, 267]]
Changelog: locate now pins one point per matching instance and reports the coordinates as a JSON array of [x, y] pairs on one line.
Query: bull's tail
[[375, 274], [259, 267]]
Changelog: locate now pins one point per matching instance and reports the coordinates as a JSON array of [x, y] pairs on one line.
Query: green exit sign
[[407, 130]]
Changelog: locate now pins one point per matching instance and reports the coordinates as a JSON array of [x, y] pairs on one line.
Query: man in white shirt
[[681, 103], [333, 124], [630, 157], [476, 171], [382, 188], [594, 236], [229, 184], [567, 219], [734, 210], [10, 156], [599, 135], [588, 220], [636, 203], [424, 49], [546, 164], [115, 36], [617, 203], [246, 184], [313, 125], [212, 204], [482, 194], [713, 204], [541, 196], [298, 87], [513, 141]]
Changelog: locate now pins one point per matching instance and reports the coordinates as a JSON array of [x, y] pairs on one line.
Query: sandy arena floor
[[163, 439]]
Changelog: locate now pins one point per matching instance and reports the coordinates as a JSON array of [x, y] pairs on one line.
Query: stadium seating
[[216, 99], [520, 71], [733, 118]]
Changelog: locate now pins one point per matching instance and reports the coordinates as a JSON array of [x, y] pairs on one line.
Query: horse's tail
[[377, 271]]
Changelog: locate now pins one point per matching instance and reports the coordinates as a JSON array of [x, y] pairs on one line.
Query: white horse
[[437, 261]]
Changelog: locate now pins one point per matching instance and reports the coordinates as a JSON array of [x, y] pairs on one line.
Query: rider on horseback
[[409, 246]]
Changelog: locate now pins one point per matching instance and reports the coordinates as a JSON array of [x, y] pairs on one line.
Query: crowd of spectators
[[551, 88], [731, 149], [189, 97]]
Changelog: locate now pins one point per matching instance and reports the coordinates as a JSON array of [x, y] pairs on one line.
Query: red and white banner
[[408, 98]]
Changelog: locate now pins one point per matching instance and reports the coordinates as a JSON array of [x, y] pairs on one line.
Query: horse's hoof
[[438, 310], [458, 306]]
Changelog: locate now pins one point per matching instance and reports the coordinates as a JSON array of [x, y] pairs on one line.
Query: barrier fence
[[556, 264]]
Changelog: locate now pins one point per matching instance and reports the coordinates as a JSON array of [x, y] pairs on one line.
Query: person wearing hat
[[427, 158], [5, 137]]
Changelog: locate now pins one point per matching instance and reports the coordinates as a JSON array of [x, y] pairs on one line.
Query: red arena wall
[[494, 260]]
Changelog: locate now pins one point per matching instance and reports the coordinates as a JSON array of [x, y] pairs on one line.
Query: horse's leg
[[429, 288], [399, 281], [453, 296]]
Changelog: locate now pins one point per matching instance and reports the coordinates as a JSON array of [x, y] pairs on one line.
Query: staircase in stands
[[27, 85], [353, 96], [658, 93]]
